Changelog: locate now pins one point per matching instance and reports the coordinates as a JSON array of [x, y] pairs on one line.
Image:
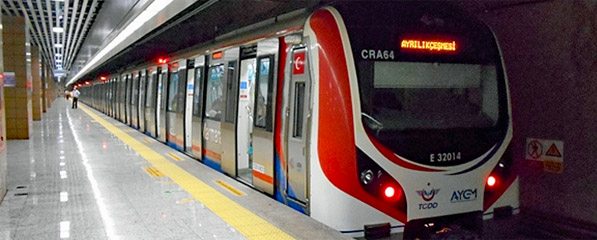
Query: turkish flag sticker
[[299, 63]]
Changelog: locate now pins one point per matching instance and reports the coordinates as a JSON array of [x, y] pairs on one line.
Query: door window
[[263, 101], [197, 93], [173, 92], [214, 93]]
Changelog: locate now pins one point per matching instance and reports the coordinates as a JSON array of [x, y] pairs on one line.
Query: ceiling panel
[[56, 27]]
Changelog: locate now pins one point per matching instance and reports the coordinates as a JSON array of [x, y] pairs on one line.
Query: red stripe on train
[[336, 145]]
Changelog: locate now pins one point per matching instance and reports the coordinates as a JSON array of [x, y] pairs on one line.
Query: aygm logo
[[428, 195], [464, 195]]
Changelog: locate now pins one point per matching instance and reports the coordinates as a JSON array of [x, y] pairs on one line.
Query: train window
[[197, 92], [135, 90], [162, 91], [430, 95], [173, 92], [263, 99], [214, 93], [150, 90], [299, 108], [231, 93]]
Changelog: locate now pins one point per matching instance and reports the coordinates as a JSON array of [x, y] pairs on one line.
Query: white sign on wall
[[550, 152]]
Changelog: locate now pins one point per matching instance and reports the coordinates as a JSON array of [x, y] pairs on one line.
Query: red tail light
[[389, 192], [491, 181]]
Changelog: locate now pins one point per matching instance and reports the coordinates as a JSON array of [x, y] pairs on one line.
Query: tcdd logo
[[464, 195], [428, 195]]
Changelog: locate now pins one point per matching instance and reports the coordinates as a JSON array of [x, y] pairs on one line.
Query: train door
[[263, 119], [161, 101], [135, 100], [197, 126], [296, 135], [215, 135], [175, 107], [117, 97], [188, 111], [111, 98], [229, 119], [123, 112], [150, 102], [128, 99], [244, 121], [141, 105]]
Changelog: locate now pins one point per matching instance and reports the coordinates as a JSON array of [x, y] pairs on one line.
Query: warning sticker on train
[[550, 152]]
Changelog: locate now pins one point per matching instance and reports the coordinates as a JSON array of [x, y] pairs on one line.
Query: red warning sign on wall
[[553, 151], [299, 63]]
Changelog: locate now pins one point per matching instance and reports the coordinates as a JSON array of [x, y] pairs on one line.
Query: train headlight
[[367, 176]]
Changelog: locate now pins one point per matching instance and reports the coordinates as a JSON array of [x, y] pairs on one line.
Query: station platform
[[84, 175]]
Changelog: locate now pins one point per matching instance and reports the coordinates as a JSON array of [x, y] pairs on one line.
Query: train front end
[[411, 120]]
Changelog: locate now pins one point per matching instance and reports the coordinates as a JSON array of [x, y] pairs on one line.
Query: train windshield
[[420, 95], [430, 79]]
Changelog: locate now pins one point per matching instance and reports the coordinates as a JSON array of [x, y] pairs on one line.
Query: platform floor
[[83, 175]]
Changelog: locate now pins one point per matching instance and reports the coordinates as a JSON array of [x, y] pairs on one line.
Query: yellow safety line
[[174, 157], [244, 221], [231, 189], [153, 172]]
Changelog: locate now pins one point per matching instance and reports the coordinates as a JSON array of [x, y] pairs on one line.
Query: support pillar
[[3, 160], [36, 80], [17, 98], [49, 80], [44, 80]]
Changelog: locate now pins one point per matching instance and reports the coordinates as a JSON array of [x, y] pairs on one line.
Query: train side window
[[231, 93], [197, 92], [164, 78], [299, 108], [173, 92], [214, 95], [150, 90], [263, 101]]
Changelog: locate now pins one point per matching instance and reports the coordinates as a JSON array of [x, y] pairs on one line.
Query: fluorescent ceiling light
[[58, 45], [58, 29], [154, 8], [58, 54]]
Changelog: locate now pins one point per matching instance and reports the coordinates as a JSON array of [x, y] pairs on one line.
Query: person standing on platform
[[66, 94], [75, 94]]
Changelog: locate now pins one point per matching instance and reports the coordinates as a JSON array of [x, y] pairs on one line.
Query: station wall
[[550, 53]]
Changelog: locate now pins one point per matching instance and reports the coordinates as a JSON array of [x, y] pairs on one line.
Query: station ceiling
[[188, 28], [58, 28]]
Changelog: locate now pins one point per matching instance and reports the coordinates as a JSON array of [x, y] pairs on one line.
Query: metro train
[[372, 118]]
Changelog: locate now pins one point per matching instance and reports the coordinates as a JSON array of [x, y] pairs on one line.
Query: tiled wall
[[18, 98]]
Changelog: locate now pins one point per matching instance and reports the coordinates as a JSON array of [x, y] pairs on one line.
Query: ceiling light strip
[[37, 29], [51, 24], [148, 13], [13, 8], [71, 43], [64, 25], [29, 25], [6, 8], [71, 38], [79, 38], [48, 45]]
